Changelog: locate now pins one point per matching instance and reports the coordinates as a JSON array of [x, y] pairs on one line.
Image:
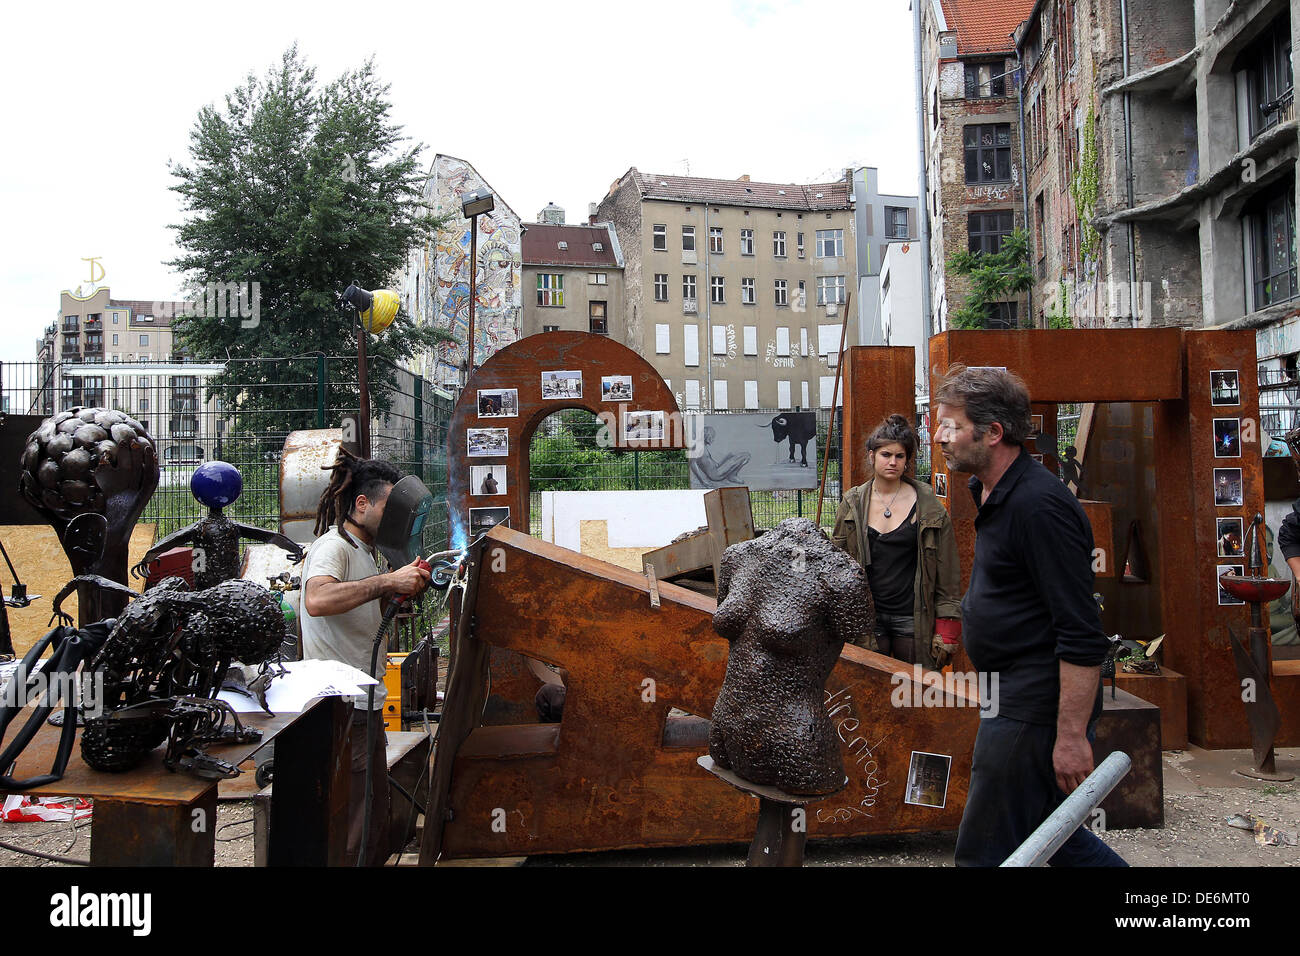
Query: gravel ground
[[1194, 834]]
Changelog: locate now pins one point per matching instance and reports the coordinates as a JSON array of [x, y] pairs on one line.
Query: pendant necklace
[[888, 513]]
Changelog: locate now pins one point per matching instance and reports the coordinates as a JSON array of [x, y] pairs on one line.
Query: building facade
[[573, 277], [881, 219], [972, 144], [121, 353], [436, 281], [900, 280], [735, 290]]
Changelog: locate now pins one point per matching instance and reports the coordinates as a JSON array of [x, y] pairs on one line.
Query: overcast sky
[[550, 101]]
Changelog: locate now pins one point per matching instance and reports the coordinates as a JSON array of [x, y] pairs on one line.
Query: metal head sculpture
[[91, 461], [787, 602]]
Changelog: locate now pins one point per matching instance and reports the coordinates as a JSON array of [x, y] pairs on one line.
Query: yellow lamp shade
[[382, 311]]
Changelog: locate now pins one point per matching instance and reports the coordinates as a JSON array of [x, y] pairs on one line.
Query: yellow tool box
[[393, 684]]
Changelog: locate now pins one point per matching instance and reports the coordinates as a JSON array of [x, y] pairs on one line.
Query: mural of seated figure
[[787, 602]]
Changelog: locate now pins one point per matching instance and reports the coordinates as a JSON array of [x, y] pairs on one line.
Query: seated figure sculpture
[[787, 602]]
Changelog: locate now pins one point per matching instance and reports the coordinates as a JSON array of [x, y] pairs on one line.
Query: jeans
[[1012, 790], [896, 636]]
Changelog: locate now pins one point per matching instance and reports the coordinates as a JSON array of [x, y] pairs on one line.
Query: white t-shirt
[[350, 636]]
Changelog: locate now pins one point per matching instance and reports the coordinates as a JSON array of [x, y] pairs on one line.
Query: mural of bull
[[796, 427]]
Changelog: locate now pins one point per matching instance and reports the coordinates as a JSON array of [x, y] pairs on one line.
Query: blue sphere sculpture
[[216, 483]]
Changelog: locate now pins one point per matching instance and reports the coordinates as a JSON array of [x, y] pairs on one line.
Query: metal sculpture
[[787, 603], [91, 462], [162, 665], [215, 538]]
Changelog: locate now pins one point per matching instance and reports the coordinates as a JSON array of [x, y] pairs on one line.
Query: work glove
[[945, 642]]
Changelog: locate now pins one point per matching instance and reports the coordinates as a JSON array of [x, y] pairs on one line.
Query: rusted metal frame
[[309, 801]]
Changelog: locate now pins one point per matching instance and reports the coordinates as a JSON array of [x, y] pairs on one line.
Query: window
[[550, 290], [986, 230], [783, 341], [597, 318], [988, 153], [688, 287], [144, 404], [1270, 91], [717, 290], [747, 242], [719, 394], [830, 290], [660, 243], [715, 239], [143, 383], [94, 341], [1002, 315], [1271, 227], [799, 242], [783, 394], [563, 246], [114, 338], [750, 333], [827, 383], [597, 247], [692, 393], [719, 340], [778, 244], [550, 328], [661, 287], [144, 340], [830, 243], [803, 393], [691, 345], [746, 291], [985, 79], [662, 341], [598, 278], [688, 238], [751, 393], [896, 223], [780, 292]]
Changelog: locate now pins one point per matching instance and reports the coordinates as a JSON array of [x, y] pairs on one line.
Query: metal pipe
[[1128, 164], [363, 430], [1065, 819], [473, 294], [830, 428], [1024, 175], [923, 206], [708, 310]]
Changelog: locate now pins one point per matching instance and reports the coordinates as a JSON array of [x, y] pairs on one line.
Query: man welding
[[342, 595]]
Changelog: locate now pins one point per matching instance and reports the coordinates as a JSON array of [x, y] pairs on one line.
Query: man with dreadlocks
[[342, 595]]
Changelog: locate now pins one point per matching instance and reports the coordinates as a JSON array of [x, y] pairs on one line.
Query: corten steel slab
[[730, 520], [1132, 725], [520, 366], [1170, 367], [1073, 365], [603, 778], [879, 380], [1168, 691]]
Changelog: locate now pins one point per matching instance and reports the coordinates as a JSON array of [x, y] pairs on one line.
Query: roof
[[162, 312], [741, 192], [541, 246], [985, 26]]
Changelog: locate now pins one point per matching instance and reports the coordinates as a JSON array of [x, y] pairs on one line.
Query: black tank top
[[892, 573]]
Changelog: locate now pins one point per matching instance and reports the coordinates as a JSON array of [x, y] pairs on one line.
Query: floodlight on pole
[[472, 205]]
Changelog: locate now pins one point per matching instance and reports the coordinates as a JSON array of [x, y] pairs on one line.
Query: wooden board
[[43, 567]]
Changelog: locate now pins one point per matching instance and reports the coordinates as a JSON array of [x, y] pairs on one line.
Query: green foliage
[[302, 188], [1085, 186], [993, 277], [572, 459], [1059, 316]]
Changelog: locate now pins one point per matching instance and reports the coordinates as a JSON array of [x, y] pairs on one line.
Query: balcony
[[1275, 112]]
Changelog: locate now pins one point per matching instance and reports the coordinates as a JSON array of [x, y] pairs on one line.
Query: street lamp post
[[472, 205]]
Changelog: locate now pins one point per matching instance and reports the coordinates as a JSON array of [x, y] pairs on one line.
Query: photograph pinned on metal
[[498, 403], [487, 480], [566, 383], [1219, 571], [940, 484], [643, 426], [487, 442], [1227, 487], [1227, 532], [927, 780], [1227, 438], [763, 452], [485, 519], [1225, 387], [616, 388]]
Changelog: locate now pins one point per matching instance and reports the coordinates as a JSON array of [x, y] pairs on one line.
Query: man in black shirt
[[1029, 621]]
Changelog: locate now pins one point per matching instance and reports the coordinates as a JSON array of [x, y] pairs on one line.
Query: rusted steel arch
[[520, 366]]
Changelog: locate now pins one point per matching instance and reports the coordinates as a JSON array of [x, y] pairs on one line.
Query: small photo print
[[498, 403], [485, 519], [487, 479], [1227, 438], [616, 388], [562, 384], [1225, 387], [1227, 532], [927, 780], [643, 426], [1037, 421], [1227, 487], [941, 484], [488, 442], [1219, 571]]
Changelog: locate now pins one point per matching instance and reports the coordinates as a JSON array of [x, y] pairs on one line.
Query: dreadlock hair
[[351, 478]]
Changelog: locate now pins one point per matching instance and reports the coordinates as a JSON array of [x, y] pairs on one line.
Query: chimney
[[743, 179], [592, 209]]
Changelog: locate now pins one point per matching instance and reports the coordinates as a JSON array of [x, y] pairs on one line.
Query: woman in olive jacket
[[889, 516]]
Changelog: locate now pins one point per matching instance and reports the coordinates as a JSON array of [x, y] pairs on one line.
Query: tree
[[301, 189], [993, 277]]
